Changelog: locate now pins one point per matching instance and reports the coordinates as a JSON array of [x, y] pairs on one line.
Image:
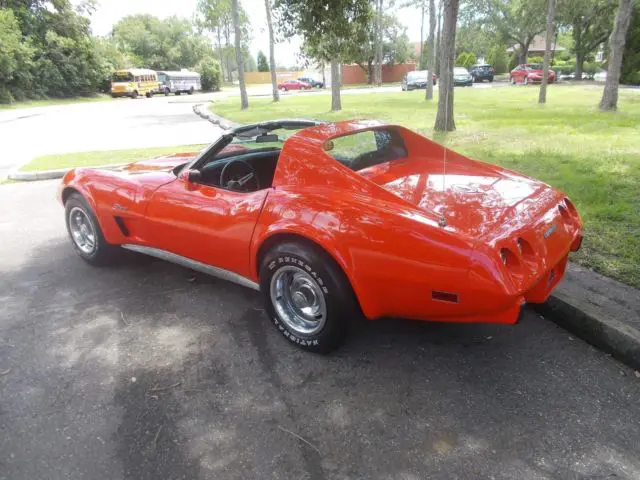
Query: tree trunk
[[579, 65], [378, 66], [421, 57], [431, 59], [370, 72], [618, 37], [336, 105], [439, 36], [523, 53], [244, 100], [551, 13], [272, 55], [577, 41], [220, 56], [444, 118]]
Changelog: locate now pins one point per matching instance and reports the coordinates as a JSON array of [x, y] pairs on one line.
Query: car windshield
[[534, 66], [262, 139], [122, 77], [419, 75], [460, 71]]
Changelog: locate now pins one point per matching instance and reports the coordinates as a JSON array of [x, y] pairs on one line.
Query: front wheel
[[512, 80], [526, 80], [134, 95], [84, 232], [307, 296]]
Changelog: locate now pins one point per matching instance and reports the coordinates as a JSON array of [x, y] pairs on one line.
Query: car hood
[[169, 162], [475, 198]]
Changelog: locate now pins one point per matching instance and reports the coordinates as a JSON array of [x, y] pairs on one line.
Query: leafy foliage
[[497, 58], [466, 59], [263, 64], [210, 74]]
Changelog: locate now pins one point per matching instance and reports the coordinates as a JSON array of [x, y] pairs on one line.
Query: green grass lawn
[[109, 157], [54, 101], [592, 156]]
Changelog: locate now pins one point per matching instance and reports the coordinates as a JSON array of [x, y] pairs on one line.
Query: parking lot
[[147, 370]]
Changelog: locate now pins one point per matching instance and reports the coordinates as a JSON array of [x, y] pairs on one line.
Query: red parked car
[[331, 221], [527, 73], [294, 85]]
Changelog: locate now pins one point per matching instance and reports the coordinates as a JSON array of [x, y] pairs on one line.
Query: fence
[[265, 77], [390, 73]]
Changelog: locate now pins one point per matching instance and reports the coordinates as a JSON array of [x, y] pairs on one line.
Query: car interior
[[244, 172]]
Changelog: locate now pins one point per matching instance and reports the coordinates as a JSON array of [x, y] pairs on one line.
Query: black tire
[[490, 79], [166, 92], [103, 252], [134, 95], [190, 92], [525, 81], [338, 296], [178, 93]]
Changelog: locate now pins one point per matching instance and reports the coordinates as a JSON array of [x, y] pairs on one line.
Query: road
[[122, 123], [145, 370]]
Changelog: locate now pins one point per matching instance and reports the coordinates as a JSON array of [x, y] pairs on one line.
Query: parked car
[[294, 85], [572, 76], [358, 217], [600, 76], [482, 72], [314, 83], [417, 79], [462, 77], [529, 73]]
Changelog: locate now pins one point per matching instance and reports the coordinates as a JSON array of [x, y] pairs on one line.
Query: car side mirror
[[191, 176]]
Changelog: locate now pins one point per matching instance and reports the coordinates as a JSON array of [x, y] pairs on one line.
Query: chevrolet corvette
[[331, 221]]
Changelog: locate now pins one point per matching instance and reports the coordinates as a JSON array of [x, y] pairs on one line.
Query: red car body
[[294, 85], [529, 73], [470, 246]]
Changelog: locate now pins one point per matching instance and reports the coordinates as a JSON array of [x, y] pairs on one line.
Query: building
[[537, 47]]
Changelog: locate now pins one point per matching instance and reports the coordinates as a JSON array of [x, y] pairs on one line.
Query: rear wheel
[[134, 94], [191, 91], [307, 296], [526, 80], [84, 232]]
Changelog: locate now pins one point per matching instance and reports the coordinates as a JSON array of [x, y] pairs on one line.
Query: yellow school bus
[[133, 82]]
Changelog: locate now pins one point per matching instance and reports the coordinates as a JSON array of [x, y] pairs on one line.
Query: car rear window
[[366, 149]]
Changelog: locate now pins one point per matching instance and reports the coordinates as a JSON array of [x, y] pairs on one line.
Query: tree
[[235, 14], [263, 66], [515, 21], [591, 22], [551, 14], [168, 44], [444, 118], [497, 58], [378, 42], [210, 74], [329, 31], [272, 55], [216, 17], [618, 37], [631, 58], [395, 46], [431, 54]]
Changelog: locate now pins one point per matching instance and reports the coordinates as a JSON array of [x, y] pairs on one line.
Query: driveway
[[145, 370], [109, 125]]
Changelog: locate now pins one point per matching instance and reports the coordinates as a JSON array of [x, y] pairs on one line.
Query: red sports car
[[530, 73], [294, 85], [335, 220]]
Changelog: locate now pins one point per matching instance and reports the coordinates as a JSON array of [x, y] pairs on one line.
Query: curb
[[201, 110], [50, 174], [604, 332]]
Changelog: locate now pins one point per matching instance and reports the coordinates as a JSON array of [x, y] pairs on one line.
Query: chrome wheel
[[82, 232], [298, 300]]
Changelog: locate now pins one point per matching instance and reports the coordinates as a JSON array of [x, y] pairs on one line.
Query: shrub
[[535, 59], [466, 59], [497, 58], [210, 74]]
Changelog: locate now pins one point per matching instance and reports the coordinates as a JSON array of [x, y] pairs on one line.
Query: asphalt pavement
[[110, 125], [145, 370]]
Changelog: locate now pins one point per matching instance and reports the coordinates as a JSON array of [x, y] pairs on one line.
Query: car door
[[204, 223]]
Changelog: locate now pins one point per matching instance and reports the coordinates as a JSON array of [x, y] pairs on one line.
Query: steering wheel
[[239, 176]]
